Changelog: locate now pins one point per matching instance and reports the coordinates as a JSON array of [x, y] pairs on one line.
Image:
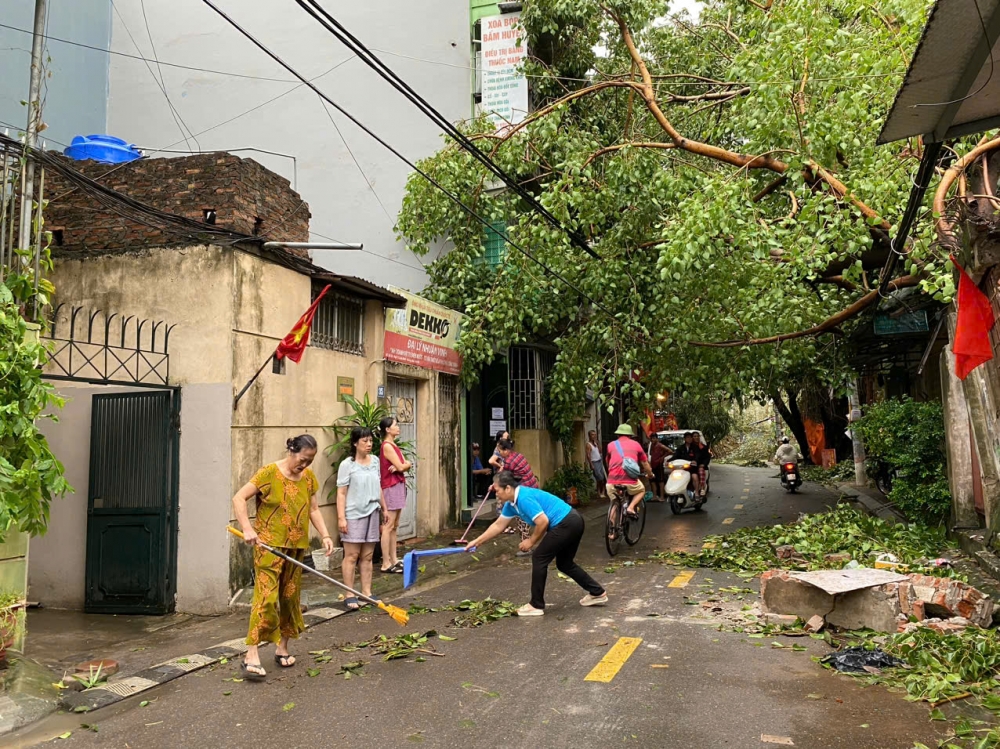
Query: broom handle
[[306, 567], [478, 510]]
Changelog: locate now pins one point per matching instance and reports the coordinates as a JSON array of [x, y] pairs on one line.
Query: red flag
[[294, 344], [975, 318]]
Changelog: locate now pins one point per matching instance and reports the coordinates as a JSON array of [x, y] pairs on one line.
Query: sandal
[[283, 660], [397, 568], [249, 675], [352, 603]]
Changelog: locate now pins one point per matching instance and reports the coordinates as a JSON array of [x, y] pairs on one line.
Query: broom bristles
[[398, 615]]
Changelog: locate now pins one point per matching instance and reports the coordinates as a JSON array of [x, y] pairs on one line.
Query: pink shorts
[[395, 496]]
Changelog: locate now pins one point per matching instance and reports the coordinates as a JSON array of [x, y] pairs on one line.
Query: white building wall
[[342, 204]]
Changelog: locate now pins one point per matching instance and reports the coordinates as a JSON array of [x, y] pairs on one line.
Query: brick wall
[[245, 196]]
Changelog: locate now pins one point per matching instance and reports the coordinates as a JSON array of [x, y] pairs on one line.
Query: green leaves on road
[[478, 613], [752, 550]]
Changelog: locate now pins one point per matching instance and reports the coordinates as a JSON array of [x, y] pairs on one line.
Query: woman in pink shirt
[[392, 467]]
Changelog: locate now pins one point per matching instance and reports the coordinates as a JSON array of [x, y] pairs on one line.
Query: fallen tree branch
[[831, 322], [945, 225], [609, 149], [838, 281], [731, 157]]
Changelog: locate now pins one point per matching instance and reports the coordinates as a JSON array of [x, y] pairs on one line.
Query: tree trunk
[[793, 418]]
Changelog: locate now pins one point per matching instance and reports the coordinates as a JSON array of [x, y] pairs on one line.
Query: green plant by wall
[[908, 437], [364, 413], [575, 475], [30, 475]]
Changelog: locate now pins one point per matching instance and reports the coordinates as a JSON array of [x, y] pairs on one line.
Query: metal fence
[[528, 369]]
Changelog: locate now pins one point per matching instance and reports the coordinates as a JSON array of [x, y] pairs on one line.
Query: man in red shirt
[[622, 448]]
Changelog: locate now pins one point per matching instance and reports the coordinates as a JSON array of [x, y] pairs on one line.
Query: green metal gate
[[131, 505]]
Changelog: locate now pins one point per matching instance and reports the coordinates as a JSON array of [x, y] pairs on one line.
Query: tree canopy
[[725, 170]]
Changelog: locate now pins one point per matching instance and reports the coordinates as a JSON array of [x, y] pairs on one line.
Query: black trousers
[[560, 543]]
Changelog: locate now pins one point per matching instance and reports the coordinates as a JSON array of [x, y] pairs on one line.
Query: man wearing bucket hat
[[626, 460]]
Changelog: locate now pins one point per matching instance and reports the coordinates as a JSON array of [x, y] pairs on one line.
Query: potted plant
[[572, 482], [12, 614]]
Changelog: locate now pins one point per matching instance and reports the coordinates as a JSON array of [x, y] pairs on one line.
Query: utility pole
[[34, 120]]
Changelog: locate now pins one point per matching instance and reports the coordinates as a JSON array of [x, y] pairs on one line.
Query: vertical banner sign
[[505, 89], [423, 334]]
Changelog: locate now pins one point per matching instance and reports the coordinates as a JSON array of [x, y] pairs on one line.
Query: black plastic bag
[[854, 660]]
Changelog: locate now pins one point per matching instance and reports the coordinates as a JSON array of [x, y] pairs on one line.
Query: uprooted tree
[[724, 169]]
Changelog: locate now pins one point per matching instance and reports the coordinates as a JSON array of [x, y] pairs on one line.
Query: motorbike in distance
[[790, 477], [680, 487]]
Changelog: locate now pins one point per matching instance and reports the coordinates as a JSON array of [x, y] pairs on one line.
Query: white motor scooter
[[680, 488]]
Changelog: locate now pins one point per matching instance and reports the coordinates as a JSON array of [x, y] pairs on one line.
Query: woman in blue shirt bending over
[[556, 532]]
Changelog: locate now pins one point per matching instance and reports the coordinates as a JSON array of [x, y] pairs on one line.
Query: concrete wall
[[203, 496], [344, 207], [543, 453], [191, 287], [268, 299], [77, 92]]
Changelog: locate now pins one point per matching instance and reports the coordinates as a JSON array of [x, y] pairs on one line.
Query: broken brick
[[815, 624], [842, 557]]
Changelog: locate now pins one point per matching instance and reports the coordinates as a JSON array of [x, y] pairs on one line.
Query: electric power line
[[546, 76], [70, 42], [331, 24], [173, 112], [261, 46]]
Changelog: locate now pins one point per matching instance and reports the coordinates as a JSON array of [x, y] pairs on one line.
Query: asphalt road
[[522, 682]]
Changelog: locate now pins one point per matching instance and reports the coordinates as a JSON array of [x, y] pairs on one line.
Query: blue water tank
[[104, 148]]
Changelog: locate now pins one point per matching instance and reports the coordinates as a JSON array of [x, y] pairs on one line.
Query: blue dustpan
[[411, 561]]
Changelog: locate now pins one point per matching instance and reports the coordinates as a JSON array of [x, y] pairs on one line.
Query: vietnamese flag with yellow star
[[294, 344]]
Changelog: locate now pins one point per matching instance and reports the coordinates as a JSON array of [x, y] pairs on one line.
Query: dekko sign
[[423, 334]]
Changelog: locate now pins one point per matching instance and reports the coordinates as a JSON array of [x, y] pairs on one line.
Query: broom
[[398, 615], [461, 541]]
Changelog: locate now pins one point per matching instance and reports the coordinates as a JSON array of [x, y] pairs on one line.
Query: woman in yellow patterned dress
[[286, 502]]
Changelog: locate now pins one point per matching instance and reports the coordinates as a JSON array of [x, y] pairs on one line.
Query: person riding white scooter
[[787, 458]]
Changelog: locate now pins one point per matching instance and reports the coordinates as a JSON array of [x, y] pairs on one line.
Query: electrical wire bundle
[[128, 208]]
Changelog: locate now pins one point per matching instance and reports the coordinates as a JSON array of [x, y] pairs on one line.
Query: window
[[528, 369], [495, 243], [339, 323]]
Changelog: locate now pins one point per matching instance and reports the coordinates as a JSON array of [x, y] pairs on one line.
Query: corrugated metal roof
[[952, 61]]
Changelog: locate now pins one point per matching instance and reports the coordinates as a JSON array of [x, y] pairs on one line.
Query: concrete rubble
[[881, 600]]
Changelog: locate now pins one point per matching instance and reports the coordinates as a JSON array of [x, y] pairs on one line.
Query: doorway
[[402, 397], [131, 553]]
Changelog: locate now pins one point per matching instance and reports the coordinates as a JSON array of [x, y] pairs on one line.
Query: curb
[[872, 505], [116, 691]]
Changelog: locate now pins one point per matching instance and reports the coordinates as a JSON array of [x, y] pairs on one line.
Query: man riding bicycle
[[622, 449]]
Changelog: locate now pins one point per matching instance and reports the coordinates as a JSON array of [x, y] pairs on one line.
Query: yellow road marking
[[682, 579], [737, 507], [612, 662], [728, 521]]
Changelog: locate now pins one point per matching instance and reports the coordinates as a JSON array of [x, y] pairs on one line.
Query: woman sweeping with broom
[[286, 503]]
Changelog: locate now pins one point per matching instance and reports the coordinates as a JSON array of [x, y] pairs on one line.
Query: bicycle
[[619, 525]]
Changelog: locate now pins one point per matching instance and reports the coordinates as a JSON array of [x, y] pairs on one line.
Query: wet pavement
[[522, 681]]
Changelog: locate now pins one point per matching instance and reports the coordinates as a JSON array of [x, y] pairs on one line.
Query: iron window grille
[[339, 323], [528, 370]]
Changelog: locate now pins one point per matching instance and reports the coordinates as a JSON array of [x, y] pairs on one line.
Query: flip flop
[[352, 603], [249, 675], [282, 660]]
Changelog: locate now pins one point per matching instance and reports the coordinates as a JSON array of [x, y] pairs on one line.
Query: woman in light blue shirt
[[360, 511]]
